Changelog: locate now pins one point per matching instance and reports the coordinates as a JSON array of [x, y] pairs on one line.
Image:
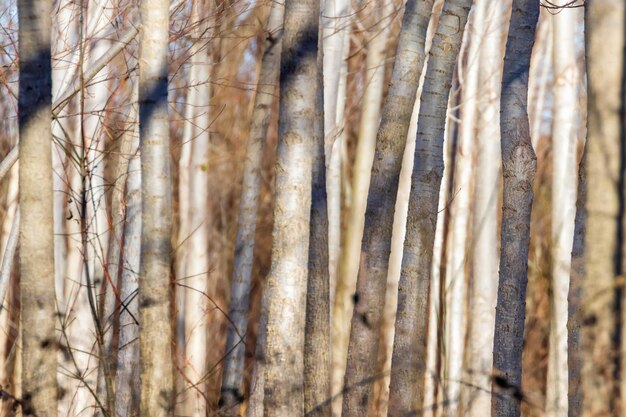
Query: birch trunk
[[518, 168], [484, 223], [335, 20], [154, 274], [232, 380], [287, 281], [196, 278], [564, 143], [376, 246], [39, 367], [409, 356], [126, 390], [605, 40]]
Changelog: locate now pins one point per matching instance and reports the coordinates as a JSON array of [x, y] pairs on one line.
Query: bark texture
[[287, 281], [39, 366], [232, 382], [409, 356], [126, 389], [518, 167], [157, 386], [574, 299], [317, 394], [605, 36], [376, 246]]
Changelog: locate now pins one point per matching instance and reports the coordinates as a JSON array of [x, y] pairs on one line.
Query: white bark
[[484, 255], [195, 280], [456, 281], [157, 387], [564, 179], [126, 388], [336, 20], [287, 282], [36, 260]]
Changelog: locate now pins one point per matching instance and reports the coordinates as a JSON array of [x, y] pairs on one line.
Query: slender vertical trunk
[[336, 19], [484, 223], [574, 298], [317, 394], [409, 356], [605, 40], [395, 257], [564, 143], [457, 282], [39, 386], [126, 389], [287, 281], [232, 383], [196, 277], [376, 246], [154, 274], [518, 169]]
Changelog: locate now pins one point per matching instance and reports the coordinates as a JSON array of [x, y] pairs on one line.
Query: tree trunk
[[564, 145], [232, 383], [126, 389], [605, 40], [157, 388], [195, 281], [518, 168], [484, 256], [336, 20], [376, 246], [39, 366], [287, 281], [409, 356], [574, 298], [317, 394]]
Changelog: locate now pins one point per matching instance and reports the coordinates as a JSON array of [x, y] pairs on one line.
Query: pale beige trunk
[[195, 281], [484, 222], [565, 130], [39, 366], [126, 372], [336, 20], [456, 280], [287, 282], [157, 388]]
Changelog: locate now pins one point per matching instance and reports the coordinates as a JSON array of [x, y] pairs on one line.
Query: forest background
[[296, 231]]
